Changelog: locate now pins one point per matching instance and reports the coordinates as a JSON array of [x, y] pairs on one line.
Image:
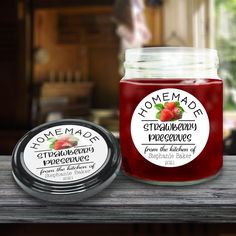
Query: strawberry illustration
[[59, 144], [72, 140], [170, 105], [170, 111], [177, 113], [166, 115], [63, 142]]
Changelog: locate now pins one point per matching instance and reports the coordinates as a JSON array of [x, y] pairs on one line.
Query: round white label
[[170, 127], [65, 153]]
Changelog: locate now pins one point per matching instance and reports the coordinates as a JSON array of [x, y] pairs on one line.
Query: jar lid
[[66, 160]]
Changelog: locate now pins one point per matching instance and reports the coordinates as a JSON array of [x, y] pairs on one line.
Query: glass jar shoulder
[[174, 81]]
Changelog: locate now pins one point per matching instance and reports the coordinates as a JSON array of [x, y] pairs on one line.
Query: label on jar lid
[[170, 127], [65, 153]]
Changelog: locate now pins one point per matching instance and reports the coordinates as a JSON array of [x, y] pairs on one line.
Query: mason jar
[[171, 115]]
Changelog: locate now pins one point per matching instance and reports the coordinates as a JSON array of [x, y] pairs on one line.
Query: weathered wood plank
[[127, 201]]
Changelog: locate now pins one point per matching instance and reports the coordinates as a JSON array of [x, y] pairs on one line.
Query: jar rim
[[137, 54], [171, 62]]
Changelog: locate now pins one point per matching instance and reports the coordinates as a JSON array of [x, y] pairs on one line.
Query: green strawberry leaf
[[158, 115], [51, 139], [159, 106], [181, 108], [51, 146], [177, 104]]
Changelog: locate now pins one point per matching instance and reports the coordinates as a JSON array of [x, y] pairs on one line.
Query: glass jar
[[171, 115]]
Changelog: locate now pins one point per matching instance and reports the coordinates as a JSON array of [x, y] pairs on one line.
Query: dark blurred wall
[[14, 81]]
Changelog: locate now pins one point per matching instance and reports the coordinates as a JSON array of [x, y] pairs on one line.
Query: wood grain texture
[[127, 201]]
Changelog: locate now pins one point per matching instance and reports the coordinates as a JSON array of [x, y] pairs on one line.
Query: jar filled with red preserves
[[171, 115]]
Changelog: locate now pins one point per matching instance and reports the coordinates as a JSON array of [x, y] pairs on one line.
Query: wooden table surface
[[127, 201]]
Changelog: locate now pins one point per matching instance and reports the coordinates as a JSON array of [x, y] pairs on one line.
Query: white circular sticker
[[65, 153], [170, 127]]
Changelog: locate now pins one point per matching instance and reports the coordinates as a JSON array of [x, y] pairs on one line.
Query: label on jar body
[[65, 153], [170, 127]]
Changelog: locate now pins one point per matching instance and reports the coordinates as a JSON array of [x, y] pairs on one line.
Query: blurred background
[[63, 58]]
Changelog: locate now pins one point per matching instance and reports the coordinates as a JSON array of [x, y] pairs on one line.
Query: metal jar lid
[[66, 161]]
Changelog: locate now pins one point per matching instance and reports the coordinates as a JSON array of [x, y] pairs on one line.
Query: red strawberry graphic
[[166, 115], [170, 111], [177, 113], [59, 144], [63, 142], [170, 105]]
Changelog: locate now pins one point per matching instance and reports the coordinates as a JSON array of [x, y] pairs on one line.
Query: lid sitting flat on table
[[66, 160]]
